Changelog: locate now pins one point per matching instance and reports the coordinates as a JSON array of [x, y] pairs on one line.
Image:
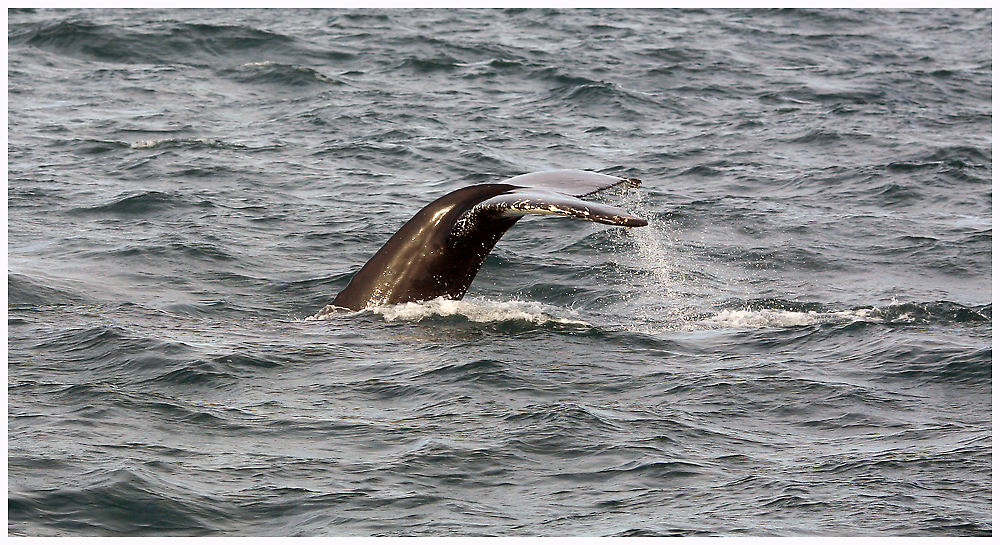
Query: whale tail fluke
[[438, 252]]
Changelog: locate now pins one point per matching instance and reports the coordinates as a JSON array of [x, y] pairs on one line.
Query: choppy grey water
[[798, 343]]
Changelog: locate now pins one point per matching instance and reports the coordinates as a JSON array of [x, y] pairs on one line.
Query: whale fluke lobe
[[541, 201], [578, 183], [439, 251]]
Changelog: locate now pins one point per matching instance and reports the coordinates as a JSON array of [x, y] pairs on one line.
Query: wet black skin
[[426, 258]]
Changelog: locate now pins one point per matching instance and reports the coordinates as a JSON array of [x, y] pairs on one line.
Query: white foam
[[473, 309], [152, 144], [763, 318], [476, 310]]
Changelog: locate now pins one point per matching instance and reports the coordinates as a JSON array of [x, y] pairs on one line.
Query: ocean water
[[799, 343]]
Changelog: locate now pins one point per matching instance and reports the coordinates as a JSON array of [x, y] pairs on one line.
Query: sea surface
[[799, 342]]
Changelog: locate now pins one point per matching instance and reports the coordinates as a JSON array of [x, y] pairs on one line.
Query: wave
[[276, 73], [95, 146], [423, 65], [192, 143], [142, 203], [25, 292], [751, 315], [178, 43], [598, 97], [471, 309], [115, 348], [645, 470], [767, 318], [938, 312], [120, 502], [201, 251], [192, 374], [479, 372]]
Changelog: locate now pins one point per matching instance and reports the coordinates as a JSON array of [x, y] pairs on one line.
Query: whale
[[439, 251]]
